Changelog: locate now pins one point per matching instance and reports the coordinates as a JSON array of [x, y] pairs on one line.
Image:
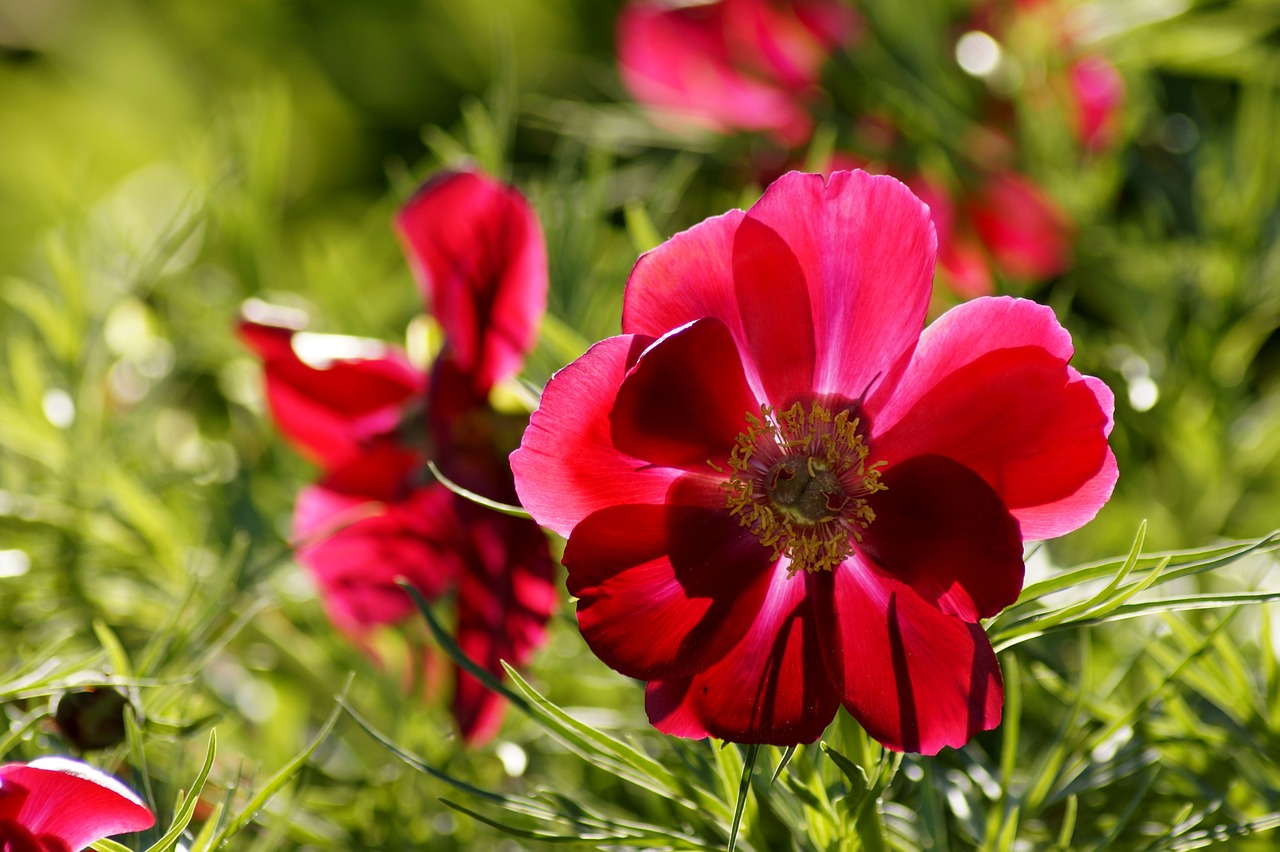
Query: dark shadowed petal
[[664, 591], [942, 530], [777, 323], [505, 596], [330, 405], [477, 250], [916, 678], [866, 248], [1028, 424], [355, 549], [685, 400], [770, 688], [71, 802], [567, 466]]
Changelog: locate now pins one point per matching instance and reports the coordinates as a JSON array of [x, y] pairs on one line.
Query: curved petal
[[72, 802], [664, 591], [788, 42], [916, 678], [866, 247], [356, 549], [567, 466], [769, 688], [1028, 424], [505, 596], [943, 531], [478, 252], [685, 401], [332, 404]]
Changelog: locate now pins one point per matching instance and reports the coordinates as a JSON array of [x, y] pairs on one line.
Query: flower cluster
[[781, 496], [54, 804], [372, 421]]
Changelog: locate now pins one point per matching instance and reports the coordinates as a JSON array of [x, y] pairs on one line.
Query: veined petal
[[866, 247], [1025, 422], [916, 678], [769, 688], [71, 802], [356, 548], [664, 591], [685, 400], [478, 252], [331, 405], [940, 529], [567, 466], [505, 596]]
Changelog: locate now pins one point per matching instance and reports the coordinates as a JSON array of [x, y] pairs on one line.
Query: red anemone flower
[[54, 804], [371, 421], [781, 496], [732, 64]]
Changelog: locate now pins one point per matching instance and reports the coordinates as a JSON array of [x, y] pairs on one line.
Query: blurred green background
[[160, 162]]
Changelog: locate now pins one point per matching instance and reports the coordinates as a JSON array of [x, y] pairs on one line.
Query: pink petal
[[916, 678], [505, 596], [665, 591], [686, 399], [777, 320], [787, 42], [329, 412], [1098, 90], [944, 532], [567, 466], [866, 247], [356, 549], [72, 802], [961, 259], [1027, 236], [478, 252], [677, 60], [1024, 421], [770, 688]]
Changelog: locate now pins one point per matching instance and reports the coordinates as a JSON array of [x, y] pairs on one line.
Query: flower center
[[799, 479]]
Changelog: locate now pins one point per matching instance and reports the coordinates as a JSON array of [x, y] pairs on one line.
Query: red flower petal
[[567, 466], [865, 246], [505, 596], [685, 400], [940, 529], [71, 802], [664, 591], [777, 321], [770, 688], [916, 678], [330, 411], [788, 42], [1098, 91], [478, 252], [356, 548], [1028, 424]]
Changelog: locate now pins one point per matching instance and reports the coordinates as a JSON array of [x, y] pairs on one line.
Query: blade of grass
[[744, 788]]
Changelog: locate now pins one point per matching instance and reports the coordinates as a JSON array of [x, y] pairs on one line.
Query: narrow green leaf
[[782, 763], [115, 651], [640, 229], [504, 508], [744, 787], [106, 844], [1068, 828], [187, 802]]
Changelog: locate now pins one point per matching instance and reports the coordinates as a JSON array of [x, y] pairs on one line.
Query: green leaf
[[187, 802], [504, 508], [744, 787]]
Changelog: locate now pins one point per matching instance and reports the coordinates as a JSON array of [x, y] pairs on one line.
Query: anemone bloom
[[732, 64], [781, 496], [54, 804], [371, 420]]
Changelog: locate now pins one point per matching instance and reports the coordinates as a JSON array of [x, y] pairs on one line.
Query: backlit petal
[[72, 802]]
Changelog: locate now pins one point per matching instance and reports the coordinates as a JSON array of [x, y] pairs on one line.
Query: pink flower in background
[[732, 65], [781, 496], [1098, 91], [1006, 222], [54, 804], [372, 421]]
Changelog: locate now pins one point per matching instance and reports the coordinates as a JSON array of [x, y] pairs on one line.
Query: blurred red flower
[[371, 421], [732, 65], [54, 804], [1097, 90], [780, 496], [1006, 221]]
